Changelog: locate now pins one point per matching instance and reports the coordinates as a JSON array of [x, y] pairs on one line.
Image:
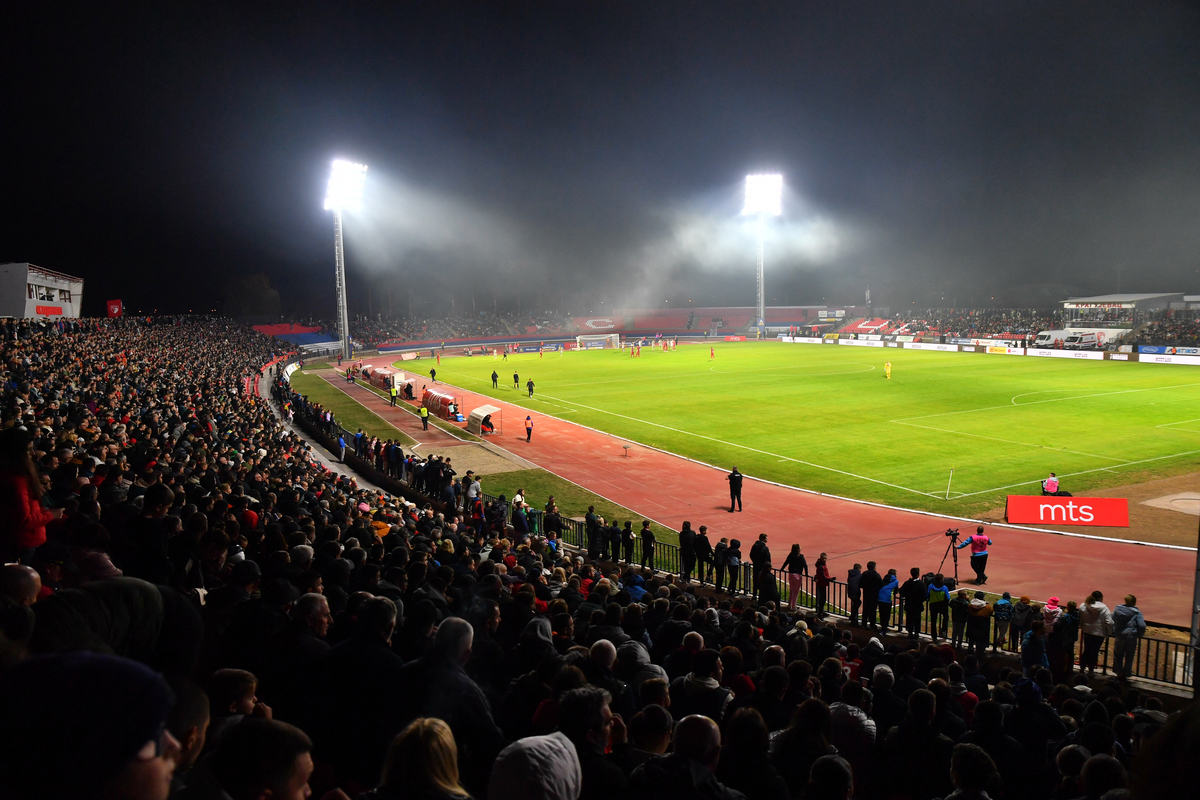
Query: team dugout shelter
[[28, 291]]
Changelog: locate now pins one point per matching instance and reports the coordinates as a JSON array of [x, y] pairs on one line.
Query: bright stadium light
[[343, 193], [345, 186], [764, 198]]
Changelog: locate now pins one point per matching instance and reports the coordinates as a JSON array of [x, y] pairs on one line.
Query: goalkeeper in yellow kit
[[887, 370]]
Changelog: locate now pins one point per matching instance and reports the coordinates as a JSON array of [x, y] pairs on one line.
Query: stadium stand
[[198, 599], [1179, 329]]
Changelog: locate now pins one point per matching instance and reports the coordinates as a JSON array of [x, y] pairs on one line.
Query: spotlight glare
[[345, 186], [764, 195]]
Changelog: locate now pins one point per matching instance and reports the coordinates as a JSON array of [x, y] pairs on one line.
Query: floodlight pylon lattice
[[344, 192], [764, 198]]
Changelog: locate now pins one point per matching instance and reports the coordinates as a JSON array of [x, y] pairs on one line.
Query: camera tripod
[[951, 551]]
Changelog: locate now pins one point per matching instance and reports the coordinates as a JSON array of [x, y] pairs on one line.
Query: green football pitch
[[825, 417]]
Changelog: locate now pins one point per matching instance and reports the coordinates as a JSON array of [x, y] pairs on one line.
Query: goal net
[[598, 342]]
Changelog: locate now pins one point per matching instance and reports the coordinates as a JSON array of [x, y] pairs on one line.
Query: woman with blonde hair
[[421, 764]]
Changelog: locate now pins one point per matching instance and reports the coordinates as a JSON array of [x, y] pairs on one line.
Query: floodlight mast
[[764, 195], [344, 192]]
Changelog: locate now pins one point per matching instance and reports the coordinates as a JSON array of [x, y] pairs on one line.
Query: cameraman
[[979, 554]]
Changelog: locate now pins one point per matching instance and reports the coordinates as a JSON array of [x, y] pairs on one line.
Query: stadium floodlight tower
[[344, 193], [764, 198]]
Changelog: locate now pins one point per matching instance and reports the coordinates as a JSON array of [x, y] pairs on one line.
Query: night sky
[[565, 155]]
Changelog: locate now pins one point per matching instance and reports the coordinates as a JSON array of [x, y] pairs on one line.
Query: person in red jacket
[[22, 517]]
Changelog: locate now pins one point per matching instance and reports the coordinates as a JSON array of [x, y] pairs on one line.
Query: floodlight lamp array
[[345, 186], [764, 195]]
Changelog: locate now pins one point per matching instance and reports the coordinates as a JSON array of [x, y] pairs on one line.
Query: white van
[[1081, 341], [1046, 340]]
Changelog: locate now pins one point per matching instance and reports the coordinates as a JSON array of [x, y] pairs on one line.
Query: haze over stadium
[[276, 519]]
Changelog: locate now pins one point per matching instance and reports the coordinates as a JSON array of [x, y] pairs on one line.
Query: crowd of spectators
[[1008, 323], [370, 333], [1178, 329], [200, 610]]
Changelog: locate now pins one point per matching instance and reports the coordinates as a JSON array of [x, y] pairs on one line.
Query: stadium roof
[[1124, 300]]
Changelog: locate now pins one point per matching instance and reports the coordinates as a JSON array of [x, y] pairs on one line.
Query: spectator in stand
[[421, 762], [1095, 620], [1128, 626], [689, 771], [795, 566], [21, 509], [117, 707]]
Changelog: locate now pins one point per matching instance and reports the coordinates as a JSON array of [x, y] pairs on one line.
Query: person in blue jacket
[[890, 584]]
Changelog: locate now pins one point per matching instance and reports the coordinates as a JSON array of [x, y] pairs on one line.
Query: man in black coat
[[436, 685], [687, 551], [764, 582], [648, 540], [360, 681], [735, 489], [704, 552], [912, 594], [870, 583], [292, 659], [854, 591]]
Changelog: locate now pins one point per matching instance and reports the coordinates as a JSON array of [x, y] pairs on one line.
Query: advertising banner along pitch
[[1108, 512]]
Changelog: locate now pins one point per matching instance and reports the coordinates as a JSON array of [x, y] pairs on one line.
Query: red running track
[[669, 489]]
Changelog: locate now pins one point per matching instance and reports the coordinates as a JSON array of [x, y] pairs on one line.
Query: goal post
[[597, 342]]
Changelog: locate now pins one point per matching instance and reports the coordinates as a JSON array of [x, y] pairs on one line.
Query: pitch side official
[[979, 542], [735, 489]]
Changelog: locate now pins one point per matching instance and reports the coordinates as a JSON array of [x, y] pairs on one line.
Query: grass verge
[[350, 414], [572, 499]]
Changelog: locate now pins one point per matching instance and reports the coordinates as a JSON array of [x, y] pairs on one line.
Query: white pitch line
[[1084, 472], [1010, 441], [750, 449], [1181, 422]]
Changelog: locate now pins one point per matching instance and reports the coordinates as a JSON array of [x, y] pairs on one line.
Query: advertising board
[[1088, 354], [860, 343], [1169, 351], [1149, 359], [1118, 356], [945, 348], [735, 338], [1109, 512]]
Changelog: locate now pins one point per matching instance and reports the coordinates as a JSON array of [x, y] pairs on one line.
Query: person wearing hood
[[1033, 650], [854, 592], [1095, 621], [979, 615], [1022, 618], [1128, 626], [537, 768], [636, 586], [634, 667], [890, 585], [534, 644], [700, 691], [689, 772]]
